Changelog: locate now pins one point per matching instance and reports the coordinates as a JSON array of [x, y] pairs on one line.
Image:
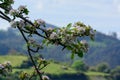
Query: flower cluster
[[16, 12], [13, 12], [7, 62], [84, 45], [14, 24], [21, 23], [5, 68], [22, 8], [49, 29], [31, 41], [80, 30], [66, 36], [1, 66], [70, 37], [39, 22], [34, 44], [53, 35]]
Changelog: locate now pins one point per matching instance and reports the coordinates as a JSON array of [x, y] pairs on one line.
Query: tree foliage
[[80, 66], [103, 67], [116, 73]]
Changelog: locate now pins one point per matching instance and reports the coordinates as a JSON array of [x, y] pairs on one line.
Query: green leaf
[[48, 42], [80, 54], [69, 47], [69, 25], [26, 11], [72, 56], [55, 30], [22, 75], [92, 38], [75, 45], [44, 41], [28, 44], [69, 32]]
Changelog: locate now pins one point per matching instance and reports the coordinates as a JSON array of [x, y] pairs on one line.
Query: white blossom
[[42, 59], [13, 12], [7, 62], [1, 66], [84, 42], [22, 8], [21, 23], [40, 21], [45, 77], [53, 35], [80, 29], [31, 41], [49, 29], [63, 41], [9, 7], [92, 32], [85, 45], [13, 24]]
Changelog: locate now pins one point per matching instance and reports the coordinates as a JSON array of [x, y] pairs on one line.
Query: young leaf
[[44, 41], [72, 56], [26, 11], [69, 47], [80, 54], [69, 25]]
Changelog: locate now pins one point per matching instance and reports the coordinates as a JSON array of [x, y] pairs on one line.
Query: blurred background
[[102, 62]]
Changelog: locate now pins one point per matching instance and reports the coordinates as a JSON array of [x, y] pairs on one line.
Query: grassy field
[[15, 60], [52, 68]]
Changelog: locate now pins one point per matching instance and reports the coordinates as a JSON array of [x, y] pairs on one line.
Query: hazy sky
[[102, 15]]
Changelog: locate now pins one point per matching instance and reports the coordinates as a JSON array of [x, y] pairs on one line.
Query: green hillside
[[52, 68], [103, 49], [15, 60]]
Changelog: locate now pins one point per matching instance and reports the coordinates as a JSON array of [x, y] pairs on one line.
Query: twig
[[40, 75], [28, 47], [5, 16]]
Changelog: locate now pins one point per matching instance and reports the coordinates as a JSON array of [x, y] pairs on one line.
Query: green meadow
[[52, 68]]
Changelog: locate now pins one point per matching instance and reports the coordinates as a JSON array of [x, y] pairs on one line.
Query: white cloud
[[39, 6], [118, 8], [116, 3], [4, 25]]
